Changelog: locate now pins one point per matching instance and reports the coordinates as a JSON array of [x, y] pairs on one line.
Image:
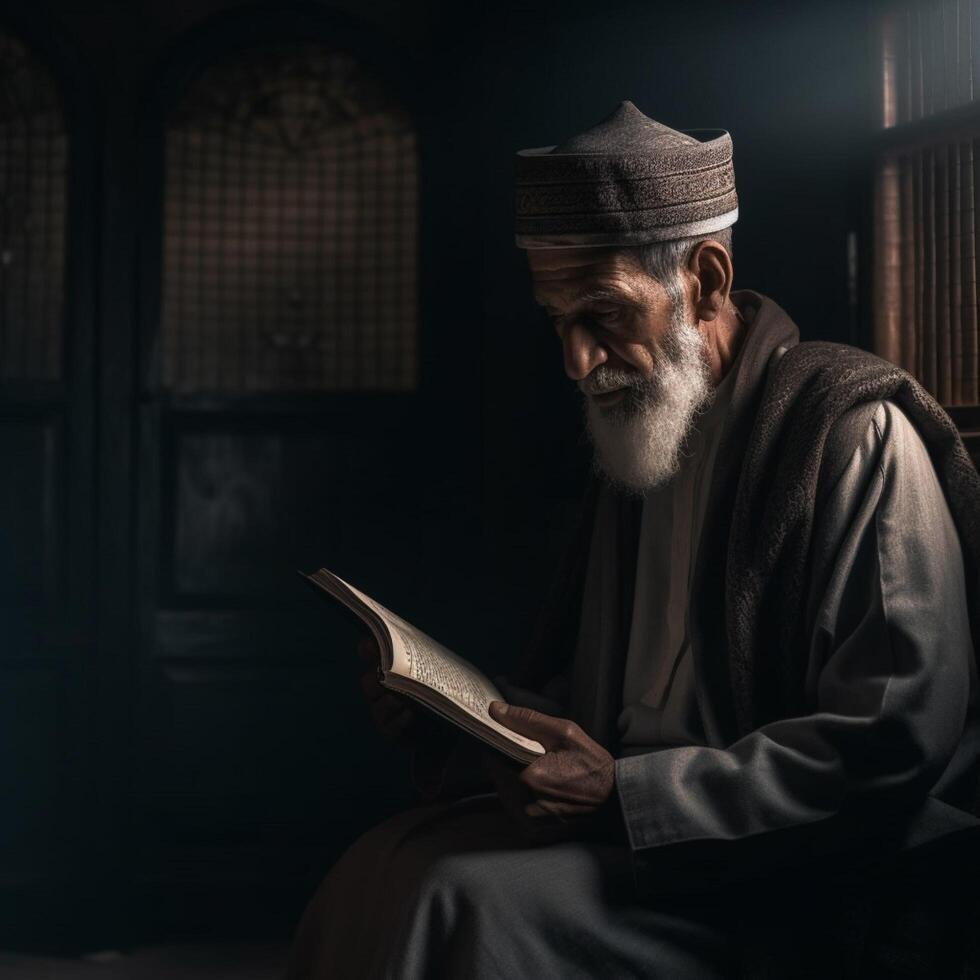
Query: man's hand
[[567, 791], [394, 715]]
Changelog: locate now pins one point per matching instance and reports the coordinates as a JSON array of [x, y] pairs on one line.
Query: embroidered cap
[[627, 181]]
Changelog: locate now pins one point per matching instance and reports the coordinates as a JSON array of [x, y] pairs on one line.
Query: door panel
[[252, 504], [250, 680], [277, 400]]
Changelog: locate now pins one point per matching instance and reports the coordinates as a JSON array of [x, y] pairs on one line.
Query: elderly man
[[755, 680]]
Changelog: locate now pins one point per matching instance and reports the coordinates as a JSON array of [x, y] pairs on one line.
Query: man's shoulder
[[901, 445], [879, 422], [847, 387], [836, 363], [832, 370], [874, 425], [876, 435]]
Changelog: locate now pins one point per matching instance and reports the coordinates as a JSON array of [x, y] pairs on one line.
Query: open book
[[415, 664]]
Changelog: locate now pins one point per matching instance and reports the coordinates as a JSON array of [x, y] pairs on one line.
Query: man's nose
[[582, 352]]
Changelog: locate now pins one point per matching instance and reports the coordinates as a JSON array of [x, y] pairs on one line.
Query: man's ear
[[711, 266]]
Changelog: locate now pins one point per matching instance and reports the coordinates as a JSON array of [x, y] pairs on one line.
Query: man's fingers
[[546, 729], [555, 810]]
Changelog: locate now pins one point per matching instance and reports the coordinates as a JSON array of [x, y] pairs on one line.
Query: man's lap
[[453, 891]]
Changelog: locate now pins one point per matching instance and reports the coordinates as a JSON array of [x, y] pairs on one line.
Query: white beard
[[639, 442]]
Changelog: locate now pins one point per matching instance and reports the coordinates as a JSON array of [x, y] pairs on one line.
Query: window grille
[[289, 258], [33, 192], [926, 195], [929, 54]]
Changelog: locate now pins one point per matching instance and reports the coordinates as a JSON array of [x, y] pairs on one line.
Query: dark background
[[183, 749]]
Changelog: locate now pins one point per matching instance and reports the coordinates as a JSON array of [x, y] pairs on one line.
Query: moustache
[[603, 379]]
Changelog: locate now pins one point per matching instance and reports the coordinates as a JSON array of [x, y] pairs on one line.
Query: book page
[[427, 662], [431, 664], [401, 660]]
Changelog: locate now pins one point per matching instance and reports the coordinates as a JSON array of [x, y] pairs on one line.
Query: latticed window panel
[[927, 194], [289, 259], [926, 311], [33, 203], [930, 52]]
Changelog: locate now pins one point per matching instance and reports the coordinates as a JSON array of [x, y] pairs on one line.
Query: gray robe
[[891, 687], [891, 692]]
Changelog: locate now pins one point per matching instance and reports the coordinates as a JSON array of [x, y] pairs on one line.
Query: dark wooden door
[[212, 374], [277, 393]]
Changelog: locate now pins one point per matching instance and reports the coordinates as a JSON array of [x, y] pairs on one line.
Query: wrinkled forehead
[[562, 273]]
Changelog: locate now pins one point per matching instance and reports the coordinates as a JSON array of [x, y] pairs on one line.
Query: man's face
[[634, 353], [605, 310]]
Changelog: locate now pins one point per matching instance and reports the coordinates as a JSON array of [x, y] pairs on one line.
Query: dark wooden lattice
[[930, 57], [289, 258], [927, 195], [33, 191]]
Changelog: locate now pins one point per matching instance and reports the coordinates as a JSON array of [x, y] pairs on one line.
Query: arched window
[[289, 254], [33, 193]]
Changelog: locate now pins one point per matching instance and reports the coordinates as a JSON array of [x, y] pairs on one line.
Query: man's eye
[[604, 316], [606, 320], [553, 320], [607, 312]]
